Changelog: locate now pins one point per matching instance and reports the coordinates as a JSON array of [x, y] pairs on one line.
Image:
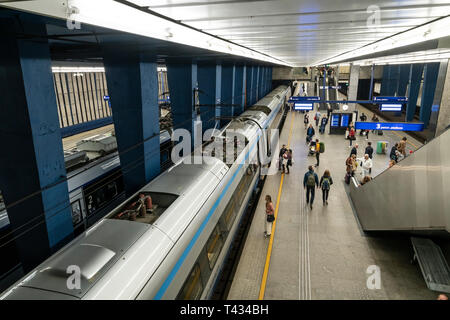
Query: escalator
[[412, 195]]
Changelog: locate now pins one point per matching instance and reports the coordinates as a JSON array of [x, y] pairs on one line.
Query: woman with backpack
[[270, 216], [325, 183]]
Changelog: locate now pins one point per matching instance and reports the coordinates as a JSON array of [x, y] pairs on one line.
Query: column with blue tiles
[[415, 78], [257, 84], [182, 80], [403, 80], [430, 75], [261, 92], [32, 171], [269, 80], [227, 93], [249, 86], [239, 90], [209, 84], [133, 88]]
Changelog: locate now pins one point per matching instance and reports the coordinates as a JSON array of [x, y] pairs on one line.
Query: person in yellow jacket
[[317, 152]]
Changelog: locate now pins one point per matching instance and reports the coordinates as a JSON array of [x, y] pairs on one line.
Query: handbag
[[270, 218]]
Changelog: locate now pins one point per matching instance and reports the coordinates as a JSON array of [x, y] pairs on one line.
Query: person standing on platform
[[310, 181], [393, 154], [317, 118], [289, 160], [369, 151], [325, 183], [270, 216], [306, 119], [310, 132], [354, 150], [328, 111], [351, 135], [317, 152], [323, 123], [366, 164], [402, 147], [280, 156]]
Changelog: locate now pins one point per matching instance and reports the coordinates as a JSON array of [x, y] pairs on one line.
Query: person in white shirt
[[366, 165]]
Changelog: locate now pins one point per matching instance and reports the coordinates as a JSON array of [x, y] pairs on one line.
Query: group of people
[[398, 152], [366, 163], [318, 118], [285, 159]]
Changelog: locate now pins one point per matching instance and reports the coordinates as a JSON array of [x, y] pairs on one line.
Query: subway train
[[175, 246]]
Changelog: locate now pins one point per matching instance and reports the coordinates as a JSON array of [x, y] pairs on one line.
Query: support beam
[[32, 171], [353, 86], [254, 85], [260, 82], [415, 78], [249, 86], [429, 86], [239, 89], [133, 88], [403, 80], [440, 111]]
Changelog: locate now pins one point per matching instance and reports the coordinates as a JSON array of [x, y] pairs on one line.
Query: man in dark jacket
[[310, 181], [354, 150], [280, 156], [369, 149], [310, 133]]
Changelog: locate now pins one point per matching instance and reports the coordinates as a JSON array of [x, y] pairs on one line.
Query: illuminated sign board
[[391, 107], [394, 126], [302, 99], [303, 106]]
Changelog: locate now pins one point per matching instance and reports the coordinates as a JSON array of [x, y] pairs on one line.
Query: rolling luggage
[[347, 178]]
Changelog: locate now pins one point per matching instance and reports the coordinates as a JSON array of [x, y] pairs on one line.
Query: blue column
[[270, 78], [209, 78], [182, 80], [249, 86], [32, 171], [261, 83], [227, 93], [371, 82], [133, 88], [239, 89], [415, 78], [254, 84], [429, 86], [403, 80], [389, 84], [385, 80]]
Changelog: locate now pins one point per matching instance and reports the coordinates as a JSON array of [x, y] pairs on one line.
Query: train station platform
[[323, 253]]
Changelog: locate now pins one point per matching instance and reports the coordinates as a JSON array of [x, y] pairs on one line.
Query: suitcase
[[347, 178], [322, 147]]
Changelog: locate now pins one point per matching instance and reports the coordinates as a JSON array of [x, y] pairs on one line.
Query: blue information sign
[[391, 107], [391, 99], [344, 120], [106, 98], [335, 120], [298, 99], [394, 126]]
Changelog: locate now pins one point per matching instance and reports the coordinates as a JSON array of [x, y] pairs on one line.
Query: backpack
[[326, 183], [311, 182]]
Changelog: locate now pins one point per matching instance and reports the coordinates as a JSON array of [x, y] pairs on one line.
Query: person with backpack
[[270, 216], [317, 151], [325, 183], [317, 118], [310, 181], [289, 160]]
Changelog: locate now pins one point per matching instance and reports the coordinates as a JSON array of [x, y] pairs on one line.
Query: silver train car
[[177, 249]]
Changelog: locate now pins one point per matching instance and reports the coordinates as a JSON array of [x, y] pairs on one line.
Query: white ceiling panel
[[300, 32]]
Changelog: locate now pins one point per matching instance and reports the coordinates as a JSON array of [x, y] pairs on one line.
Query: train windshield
[[264, 109], [146, 207]]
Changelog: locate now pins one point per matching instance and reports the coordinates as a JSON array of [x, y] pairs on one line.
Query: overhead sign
[[391, 99], [106, 98], [298, 98], [391, 107], [330, 87], [303, 106], [394, 126]]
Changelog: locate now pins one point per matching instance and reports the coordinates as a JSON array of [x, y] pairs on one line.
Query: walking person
[[306, 119], [289, 160], [354, 150], [328, 111], [280, 156], [393, 155], [323, 123], [351, 135], [369, 152], [270, 216], [317, 118], [317, 151], [325, 183], [310, 181], [310, 132]]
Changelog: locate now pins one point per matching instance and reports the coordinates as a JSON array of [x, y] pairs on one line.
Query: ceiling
[[300, 32]]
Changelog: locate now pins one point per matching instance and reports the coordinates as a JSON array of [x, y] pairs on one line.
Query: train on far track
[[170, 239]]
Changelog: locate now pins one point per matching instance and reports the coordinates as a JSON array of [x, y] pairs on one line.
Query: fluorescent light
[[430, 31], [435, 55]]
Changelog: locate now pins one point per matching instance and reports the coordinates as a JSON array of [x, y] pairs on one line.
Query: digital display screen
[[344, 120], [391, 107], [303, 106], [335, 120]]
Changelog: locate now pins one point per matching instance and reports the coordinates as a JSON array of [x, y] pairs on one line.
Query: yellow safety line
[[269, 250]]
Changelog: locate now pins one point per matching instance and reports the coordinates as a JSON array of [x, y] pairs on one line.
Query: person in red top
[[351, 135], [270, 216]]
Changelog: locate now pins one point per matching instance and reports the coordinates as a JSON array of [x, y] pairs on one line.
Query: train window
[[229, 214], [264, 109], [146, 207], [213, 246], [77, 215], [193, 287]]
